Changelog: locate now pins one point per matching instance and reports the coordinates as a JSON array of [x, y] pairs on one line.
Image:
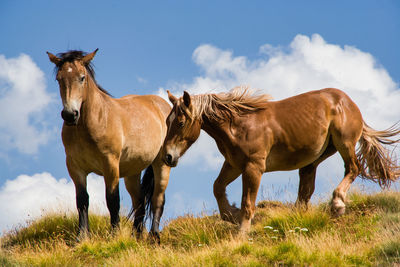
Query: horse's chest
[[86, 157]]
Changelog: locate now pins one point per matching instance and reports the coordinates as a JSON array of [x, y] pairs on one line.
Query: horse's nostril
[[168, 158]]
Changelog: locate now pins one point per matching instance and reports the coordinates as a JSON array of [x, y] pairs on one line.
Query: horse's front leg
[[161, 178], [227, 175], [82, 196], [251, 178], [111, 179]]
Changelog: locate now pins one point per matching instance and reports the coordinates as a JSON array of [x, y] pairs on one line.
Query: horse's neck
[[94, 104], [217, 130]]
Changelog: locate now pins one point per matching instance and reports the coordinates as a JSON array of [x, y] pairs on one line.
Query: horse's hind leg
[[132, 184], [347, 151], [82, 196], [225, 177], [307, 177], [161, 178]]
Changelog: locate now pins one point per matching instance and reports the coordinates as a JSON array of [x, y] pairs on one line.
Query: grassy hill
[[368, 235]]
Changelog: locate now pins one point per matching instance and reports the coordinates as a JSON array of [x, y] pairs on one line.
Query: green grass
[[367, 235]]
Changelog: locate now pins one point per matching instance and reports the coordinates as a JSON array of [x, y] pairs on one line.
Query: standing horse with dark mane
[[256, 135], [111, 137]]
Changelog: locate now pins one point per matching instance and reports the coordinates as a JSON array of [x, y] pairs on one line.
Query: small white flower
[[276, 230], [291, 231], [268, 227], [200, 245], [304, 229]]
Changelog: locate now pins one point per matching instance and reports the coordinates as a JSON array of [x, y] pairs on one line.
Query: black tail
[[147, 189]]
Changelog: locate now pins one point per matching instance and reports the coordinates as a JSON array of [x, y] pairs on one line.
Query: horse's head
[[183, 129], [73, 70]]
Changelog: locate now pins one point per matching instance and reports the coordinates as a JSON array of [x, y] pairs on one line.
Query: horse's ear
[[186, 99], [53, 58], [172, 98], [86, 59]]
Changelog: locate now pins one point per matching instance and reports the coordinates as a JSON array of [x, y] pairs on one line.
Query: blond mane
[[237, 102]]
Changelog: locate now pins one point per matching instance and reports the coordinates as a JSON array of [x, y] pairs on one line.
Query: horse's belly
[[288, 161], [281, 158]]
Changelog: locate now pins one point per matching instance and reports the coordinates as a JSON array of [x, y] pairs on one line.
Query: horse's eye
[[181, 124], [82, 78]]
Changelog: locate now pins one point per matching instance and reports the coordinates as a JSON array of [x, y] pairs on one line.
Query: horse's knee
[[82, 199], [82, 203], [352, 170], [219, 190], [158, 202]]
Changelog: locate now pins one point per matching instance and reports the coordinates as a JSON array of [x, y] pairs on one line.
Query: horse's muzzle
[[170, 161], [70, 117]]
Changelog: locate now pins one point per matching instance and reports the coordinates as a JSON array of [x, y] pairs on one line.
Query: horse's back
[[330, 102], [151, 101], [144, 110]]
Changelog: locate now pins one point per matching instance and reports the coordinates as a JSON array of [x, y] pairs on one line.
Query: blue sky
[[147, 47]]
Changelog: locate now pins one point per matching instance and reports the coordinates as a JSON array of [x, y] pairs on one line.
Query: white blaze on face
[[73, 104], [171, 119], [69, 69], [172, 149]]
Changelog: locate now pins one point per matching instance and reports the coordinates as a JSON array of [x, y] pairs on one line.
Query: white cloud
[[23, 99], [306, 64], [141, 80], [28, 197]]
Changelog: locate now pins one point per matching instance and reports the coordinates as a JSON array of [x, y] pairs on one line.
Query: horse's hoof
[[301, 206], [81, 235], [232, 217], [338, 208], [245, 227], [154, 238], [137, 235]]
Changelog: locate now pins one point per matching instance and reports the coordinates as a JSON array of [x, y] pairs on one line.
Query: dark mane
[[73, 55]]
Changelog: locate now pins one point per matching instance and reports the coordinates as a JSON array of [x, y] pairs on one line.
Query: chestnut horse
[[111, 137], [256, 135]]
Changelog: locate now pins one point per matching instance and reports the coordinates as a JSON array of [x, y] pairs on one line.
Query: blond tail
[[376, 162]]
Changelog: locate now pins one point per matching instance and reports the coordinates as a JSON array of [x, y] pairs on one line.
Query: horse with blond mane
[[256, 135], [112, 137]]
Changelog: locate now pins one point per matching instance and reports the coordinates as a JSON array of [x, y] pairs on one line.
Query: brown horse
[[256, 135], [111, 137]]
